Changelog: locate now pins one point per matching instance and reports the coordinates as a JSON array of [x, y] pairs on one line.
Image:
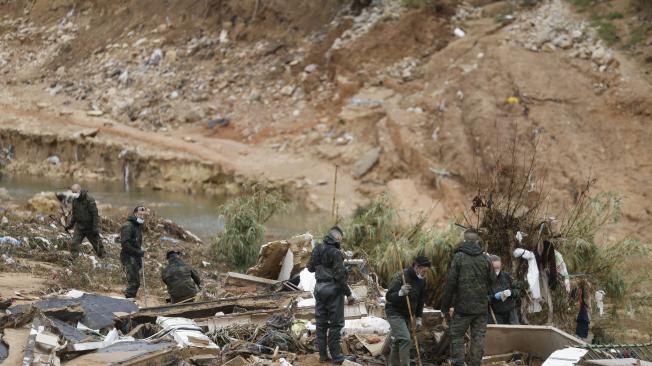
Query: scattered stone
[[155, 58], [54, 160], [95, 113], [459, 33], [189, 139], [288, 90], [89, 132], [310, 68], [366, 162]]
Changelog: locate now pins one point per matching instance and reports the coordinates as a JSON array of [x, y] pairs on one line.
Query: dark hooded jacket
[[181, 279], [84, 213], [131, 238], [327, 263], [396, 305], [470, 280], [504, 282]]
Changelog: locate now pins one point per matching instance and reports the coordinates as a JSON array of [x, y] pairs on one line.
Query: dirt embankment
[[391, 96]]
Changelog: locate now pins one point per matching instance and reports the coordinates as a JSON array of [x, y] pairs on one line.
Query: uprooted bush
[[510, 201], [375, 232], [244, 230]]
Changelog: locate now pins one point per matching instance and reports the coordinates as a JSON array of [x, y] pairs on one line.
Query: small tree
[[244, 230]]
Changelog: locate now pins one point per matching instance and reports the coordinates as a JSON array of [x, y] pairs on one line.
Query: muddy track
[[224, 161]]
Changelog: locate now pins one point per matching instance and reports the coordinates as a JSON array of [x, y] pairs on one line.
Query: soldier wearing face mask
[[327, 263], [397, 311], [86, 222], [131, 255]]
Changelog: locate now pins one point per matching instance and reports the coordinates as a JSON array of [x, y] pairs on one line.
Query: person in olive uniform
[[86, 222], [468, 286], [181, 279], [131, 255], [327, 262], [397, 311], [505, 292]]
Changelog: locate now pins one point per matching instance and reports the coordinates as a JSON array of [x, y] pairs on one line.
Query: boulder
[[366, 162]]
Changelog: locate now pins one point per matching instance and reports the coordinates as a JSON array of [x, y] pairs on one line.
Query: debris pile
[[551, 28]]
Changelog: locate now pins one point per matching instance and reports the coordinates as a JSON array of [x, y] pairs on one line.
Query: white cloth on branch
[[532, 278]]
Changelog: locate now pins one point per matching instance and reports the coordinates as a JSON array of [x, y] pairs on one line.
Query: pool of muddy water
[[196, 212]]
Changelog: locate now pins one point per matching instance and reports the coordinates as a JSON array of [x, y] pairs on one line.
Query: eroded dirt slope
[[306, 85]]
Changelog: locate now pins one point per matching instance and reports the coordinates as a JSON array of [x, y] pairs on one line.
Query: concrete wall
[[538, 341]]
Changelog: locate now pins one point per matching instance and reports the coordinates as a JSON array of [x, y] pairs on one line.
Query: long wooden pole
[[409, 306], [333, 208]]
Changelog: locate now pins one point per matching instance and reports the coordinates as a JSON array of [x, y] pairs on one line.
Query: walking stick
[[144, 284], [333, 208], [409, 306]]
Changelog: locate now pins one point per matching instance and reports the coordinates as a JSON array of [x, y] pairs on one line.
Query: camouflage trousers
[[458, 326], [92, 236], [131, 266]]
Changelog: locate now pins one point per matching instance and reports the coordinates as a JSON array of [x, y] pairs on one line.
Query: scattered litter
[[170, 239], [367, 325], [53, 159], [9, 240], [459, 33], [185, 332]]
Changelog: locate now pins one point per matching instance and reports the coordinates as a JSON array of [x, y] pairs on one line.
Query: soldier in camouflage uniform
[[131, 255], [327, 262], [85, 220], [397, 311], [182, 280], [470, 280]]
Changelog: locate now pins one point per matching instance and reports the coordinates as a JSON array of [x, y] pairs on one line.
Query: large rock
[[366, 162], [44, 202]]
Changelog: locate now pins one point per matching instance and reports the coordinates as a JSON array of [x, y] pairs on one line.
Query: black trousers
[[329, 314]]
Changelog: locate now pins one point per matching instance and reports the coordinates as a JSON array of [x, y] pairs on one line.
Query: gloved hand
[[505, 294], [405, 289], [497, 295], [419, 323]]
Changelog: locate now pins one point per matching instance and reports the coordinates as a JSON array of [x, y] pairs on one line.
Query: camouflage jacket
[[84, 213], [470, 281], [131, 238], [181, 279]]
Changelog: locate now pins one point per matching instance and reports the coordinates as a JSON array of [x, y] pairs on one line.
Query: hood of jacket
[[133, 219], [469, 248]]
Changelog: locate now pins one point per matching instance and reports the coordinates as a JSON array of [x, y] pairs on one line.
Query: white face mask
[[75, 195], [140, 221]]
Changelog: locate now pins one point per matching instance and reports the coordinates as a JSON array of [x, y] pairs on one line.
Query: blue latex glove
[[497, 296]]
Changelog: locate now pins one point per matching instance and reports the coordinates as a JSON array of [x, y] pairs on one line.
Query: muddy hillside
[[407, 97]]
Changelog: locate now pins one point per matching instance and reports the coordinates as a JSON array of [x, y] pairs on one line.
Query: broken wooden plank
[[207, 309], [239, 279]]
